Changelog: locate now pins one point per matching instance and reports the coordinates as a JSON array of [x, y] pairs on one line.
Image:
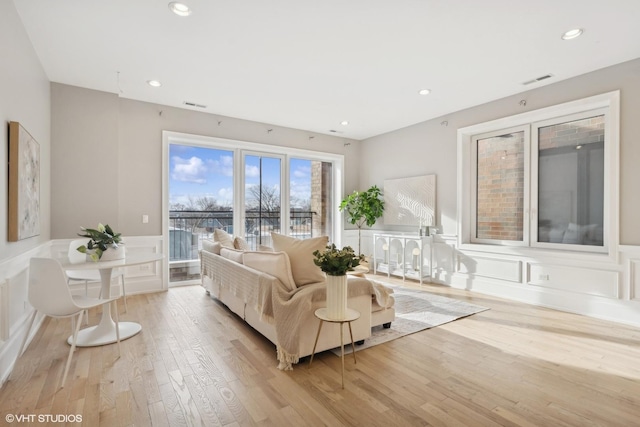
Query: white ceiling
[[312, 64]]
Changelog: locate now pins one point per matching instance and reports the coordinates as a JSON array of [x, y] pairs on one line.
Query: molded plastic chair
[[49, 294], [87, 276]]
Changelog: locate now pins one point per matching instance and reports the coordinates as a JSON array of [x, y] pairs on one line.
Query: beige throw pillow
[[232, 254], [300, 253], [274, 263], [225, 239], [240, 243], [211, 246]]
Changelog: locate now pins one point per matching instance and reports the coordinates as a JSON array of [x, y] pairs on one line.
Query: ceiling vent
[[193, 104], [538, 79]]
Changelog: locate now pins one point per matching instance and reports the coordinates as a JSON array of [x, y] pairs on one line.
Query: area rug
[[416, 310]]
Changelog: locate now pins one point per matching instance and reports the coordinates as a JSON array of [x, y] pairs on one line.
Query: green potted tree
[[363, 207]]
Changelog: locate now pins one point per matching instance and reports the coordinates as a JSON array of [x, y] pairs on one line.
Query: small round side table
[[349, 317]]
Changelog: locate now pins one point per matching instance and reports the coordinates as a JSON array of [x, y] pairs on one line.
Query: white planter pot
[[336, 297], [111, 254]]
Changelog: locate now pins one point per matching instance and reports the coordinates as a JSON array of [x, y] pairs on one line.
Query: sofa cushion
[[232, 254], [276, 264], [225, 239], [240, 243], [300, 253], [264, 248], [211, 246]]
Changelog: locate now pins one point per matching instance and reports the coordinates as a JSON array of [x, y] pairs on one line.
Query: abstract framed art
[[410, 201], [24, 184]]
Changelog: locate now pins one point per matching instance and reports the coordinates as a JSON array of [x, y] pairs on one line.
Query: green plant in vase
[[101, 239], [336, 262]]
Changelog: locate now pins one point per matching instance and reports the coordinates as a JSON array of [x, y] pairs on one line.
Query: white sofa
[[259, 287]]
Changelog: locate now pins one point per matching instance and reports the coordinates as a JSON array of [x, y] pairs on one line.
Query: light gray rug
[[416, 310]]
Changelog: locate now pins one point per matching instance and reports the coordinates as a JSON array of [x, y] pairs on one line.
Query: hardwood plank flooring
[[197, 364]]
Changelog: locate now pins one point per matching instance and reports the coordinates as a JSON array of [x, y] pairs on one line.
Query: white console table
[[404, 255]]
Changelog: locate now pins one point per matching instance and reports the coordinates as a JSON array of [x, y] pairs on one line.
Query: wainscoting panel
[[634, 279], [14, 306], [494, 268], [4, 311], [139, 278], [573, 279]]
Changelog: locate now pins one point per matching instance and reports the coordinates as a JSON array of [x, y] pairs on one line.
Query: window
[[200, 200], [548, 182], [311, 198], [243, 188], [262, 198], [500, 186], [570, 185]]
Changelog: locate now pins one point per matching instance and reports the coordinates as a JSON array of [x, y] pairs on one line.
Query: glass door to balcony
[[262, 198], [310, 198], [200, 200], [246, 191]]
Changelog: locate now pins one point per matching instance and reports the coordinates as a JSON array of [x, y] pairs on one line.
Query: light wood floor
[[195, 363]]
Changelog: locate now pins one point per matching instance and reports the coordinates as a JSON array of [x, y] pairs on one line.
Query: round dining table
[[105, 331]]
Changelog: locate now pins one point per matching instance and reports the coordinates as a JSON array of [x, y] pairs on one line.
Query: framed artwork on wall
[[410, 201], [24, 184]]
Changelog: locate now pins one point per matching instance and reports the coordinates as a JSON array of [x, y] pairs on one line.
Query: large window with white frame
[[544, 179], [247, 189]]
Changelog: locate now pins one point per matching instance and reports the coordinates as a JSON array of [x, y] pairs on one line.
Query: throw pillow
[[300, 253], [232, 254], [240, 243], [225, 239], [276, 264], [263, 248], [211, 246]]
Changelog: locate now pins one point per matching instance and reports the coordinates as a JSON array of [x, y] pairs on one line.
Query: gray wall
[[107, 156], [430, 146], [24, 98]]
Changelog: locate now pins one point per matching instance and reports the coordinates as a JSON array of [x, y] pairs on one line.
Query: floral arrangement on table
[[336, 262], [101, 239]]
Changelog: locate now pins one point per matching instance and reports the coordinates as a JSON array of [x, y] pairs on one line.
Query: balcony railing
[[187, 229]]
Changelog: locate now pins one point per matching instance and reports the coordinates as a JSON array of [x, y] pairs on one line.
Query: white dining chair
[[87, 276], [50, 295]]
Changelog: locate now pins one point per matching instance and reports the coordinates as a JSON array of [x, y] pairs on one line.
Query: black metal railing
[[187, 229]]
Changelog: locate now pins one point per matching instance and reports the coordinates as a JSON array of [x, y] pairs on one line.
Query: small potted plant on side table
[[336, 263]]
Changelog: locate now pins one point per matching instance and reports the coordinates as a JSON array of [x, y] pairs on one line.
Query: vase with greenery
[[363, 207], [336, 263], [100, 240]]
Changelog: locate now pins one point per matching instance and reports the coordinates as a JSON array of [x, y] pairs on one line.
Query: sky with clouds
[[197, 172]]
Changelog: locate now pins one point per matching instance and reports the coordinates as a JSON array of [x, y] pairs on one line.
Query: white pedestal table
[[105, 331]]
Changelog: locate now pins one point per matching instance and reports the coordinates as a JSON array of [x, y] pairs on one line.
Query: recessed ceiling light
[[179, 9], [344, 123], [154, 83], [572, 34], [425, 91]]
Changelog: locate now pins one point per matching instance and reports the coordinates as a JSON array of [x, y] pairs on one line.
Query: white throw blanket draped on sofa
[[280, 307]]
